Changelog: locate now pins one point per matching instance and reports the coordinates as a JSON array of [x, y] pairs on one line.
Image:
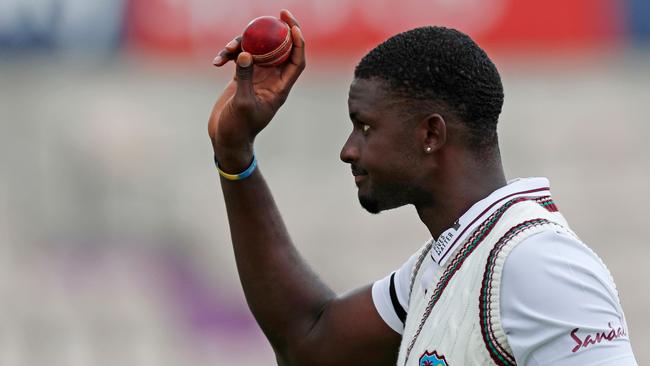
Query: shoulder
[[557, 260], [556, 297]]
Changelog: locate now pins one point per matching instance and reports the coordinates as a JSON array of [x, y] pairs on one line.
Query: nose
[[350, 150]]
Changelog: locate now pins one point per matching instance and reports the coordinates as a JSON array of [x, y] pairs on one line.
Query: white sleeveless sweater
[[455, 321]]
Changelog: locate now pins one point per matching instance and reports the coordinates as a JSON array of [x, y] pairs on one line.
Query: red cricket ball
[[268, 39]]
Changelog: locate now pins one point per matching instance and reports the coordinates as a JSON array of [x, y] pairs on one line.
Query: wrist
[[238, 176], [233, 160]]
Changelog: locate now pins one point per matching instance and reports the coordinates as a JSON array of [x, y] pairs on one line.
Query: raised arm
[[306, 323]]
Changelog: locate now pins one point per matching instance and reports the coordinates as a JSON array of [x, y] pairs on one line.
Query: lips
[[356, 171], [359, 174]]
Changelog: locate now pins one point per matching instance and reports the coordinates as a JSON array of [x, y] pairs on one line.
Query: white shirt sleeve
[[390, 295], [559, 305]]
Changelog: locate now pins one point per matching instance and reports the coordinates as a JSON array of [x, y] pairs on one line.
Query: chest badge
[[432, 359]]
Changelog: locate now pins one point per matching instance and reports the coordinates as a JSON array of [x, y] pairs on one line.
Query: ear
[[433, 131]]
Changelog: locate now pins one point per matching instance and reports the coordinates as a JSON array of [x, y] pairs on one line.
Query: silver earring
[[428, 149]]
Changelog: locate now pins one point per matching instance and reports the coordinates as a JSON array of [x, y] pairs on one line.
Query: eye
[[365, 128]]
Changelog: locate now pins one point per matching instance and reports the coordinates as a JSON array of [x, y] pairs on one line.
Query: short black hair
[[441, 64]]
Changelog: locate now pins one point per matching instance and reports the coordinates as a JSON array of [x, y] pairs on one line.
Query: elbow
[[301, 356], [307, 346], [305, 351]]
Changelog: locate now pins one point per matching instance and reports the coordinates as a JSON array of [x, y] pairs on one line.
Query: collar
[[450, 239]]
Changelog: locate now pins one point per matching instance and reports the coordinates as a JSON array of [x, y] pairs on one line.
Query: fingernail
[[217, 60], [292, 17], [245, 61]]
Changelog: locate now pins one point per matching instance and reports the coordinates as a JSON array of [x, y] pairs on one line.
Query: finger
[[297, 62], [244, 77], [229, 52], [288, 18], [221, 58], [224, 56], [234, 45], [298, 52]]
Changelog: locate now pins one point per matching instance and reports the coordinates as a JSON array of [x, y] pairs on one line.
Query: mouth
[[359, 174], [358, 171]]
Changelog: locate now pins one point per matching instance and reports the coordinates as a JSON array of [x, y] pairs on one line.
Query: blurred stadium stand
[[114, 246]]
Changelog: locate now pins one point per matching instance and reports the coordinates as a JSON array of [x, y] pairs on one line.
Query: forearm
[[285, 296]]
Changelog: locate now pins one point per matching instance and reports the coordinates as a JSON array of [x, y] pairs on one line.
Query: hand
[[251, 99]]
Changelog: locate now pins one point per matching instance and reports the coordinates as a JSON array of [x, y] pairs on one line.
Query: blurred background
[[114, 244]]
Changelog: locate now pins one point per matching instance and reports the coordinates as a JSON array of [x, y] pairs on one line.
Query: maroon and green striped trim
[[497, 352], [418, 264], [454, 265], [548, 203]]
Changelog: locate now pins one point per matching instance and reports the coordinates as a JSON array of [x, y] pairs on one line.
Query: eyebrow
[[357, 116]]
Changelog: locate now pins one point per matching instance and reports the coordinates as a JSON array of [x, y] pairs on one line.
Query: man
[[505, 281]]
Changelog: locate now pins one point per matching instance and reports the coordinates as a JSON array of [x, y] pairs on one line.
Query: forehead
[[369, 97]]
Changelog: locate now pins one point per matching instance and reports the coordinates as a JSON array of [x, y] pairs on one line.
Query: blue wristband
[[241, 176]]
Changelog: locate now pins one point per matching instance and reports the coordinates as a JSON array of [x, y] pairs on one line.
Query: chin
[[369, 205], [382, 200], [375, 206]]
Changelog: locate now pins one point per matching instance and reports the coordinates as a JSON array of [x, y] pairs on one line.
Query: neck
[[455, 190]]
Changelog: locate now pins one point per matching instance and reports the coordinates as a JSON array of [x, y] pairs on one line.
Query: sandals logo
[[595, 338], [432, 359]]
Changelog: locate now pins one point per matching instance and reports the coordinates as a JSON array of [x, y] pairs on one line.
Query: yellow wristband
[[241, 176]]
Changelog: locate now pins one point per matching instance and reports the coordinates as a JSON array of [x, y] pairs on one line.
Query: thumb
[[244, 76]]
